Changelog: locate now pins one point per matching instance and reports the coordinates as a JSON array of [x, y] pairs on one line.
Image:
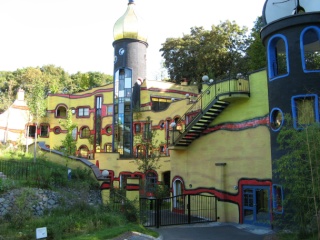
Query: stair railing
[[208, 95]]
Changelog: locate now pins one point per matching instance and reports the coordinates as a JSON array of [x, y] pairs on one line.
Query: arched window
[[61, 111], [178, 201], [140, 151], [310, 49], [83, 151], [84, 132], [151, 181], [278, 62]]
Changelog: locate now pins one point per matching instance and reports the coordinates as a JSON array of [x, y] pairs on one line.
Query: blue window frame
[[276, 119], [310, 49], [278, 60], [305, 110], [277, 198]]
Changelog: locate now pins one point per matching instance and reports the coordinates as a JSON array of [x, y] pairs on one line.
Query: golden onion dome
[[130, 25]]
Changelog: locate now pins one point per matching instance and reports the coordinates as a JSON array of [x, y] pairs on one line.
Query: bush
[[22, 209], [6, 185]]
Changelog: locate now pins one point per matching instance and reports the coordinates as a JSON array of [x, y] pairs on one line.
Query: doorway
[[256, 205]]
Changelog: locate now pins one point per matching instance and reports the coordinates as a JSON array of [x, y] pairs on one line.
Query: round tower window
[[276, 119]]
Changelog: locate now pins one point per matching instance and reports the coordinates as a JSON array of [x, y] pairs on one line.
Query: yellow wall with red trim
[[244, 149]]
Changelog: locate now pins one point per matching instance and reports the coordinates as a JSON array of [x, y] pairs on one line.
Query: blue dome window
[[310, 49], [278, 61]]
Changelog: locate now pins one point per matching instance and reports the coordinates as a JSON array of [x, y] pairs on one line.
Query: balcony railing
[[221, 90]]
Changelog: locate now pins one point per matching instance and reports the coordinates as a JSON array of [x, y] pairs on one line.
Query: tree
[[147, 155], [256, 52], [69, 143], [217, 52], [298, 170], [8, 89], [36, 100], [85, 81]]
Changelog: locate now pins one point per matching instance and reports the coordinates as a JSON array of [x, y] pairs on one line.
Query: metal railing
[[227, 88], [34, 172], [177, 210]]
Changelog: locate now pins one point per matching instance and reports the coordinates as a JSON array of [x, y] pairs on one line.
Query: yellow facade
[[232, 155]]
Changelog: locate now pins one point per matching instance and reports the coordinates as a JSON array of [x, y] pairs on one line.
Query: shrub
[[6, 185], [22, 209]]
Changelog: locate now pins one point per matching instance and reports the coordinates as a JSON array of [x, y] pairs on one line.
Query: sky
[[77, 35]]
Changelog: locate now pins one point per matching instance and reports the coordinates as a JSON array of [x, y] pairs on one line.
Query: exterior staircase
[[200, 123], [206, 108]]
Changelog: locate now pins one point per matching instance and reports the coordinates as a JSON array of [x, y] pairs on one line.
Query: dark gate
[[177, 210]]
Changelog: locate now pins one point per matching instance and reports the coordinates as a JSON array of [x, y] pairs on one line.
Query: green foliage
[[299, 172], [22, 209], [161, 191], [6, 185], [218, 52], [256, 52], [69, 143], [52, 79], [125, 206], [77, 221], [147, 156]]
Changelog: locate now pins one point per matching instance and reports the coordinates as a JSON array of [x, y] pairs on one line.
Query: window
[[140, 152], [83, 151], [162, 150], [276, 119], [108, 147], [310, 49], [160, 104], [147, 131], [84, 132], [277, 196], [109, 130], [32, 131], [151, 181], [61, 112], [137, 127], [278, 62], [109, 110], [74, 133], [44, 130], [57, 130], [304, 110], [83, 112]]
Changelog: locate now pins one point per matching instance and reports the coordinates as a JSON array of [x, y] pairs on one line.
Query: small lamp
[[105, 173], [205, 78]]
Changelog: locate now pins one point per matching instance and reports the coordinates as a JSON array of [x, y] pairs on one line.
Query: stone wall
[[39, 200]]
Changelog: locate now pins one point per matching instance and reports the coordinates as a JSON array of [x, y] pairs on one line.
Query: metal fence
[[34, 172], [177, 210]]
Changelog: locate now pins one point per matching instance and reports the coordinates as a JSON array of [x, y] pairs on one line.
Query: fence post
[[157, 213], [189, 209]]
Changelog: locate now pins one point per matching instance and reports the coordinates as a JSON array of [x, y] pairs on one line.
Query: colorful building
[[220, 142]]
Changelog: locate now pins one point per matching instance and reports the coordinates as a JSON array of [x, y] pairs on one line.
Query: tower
[[292, 40], [130, 47]]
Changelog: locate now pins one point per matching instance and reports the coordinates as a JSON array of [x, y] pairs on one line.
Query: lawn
[[79, 221]]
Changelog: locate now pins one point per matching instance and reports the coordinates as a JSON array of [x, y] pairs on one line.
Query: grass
[[110, 233], [81, 221]]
